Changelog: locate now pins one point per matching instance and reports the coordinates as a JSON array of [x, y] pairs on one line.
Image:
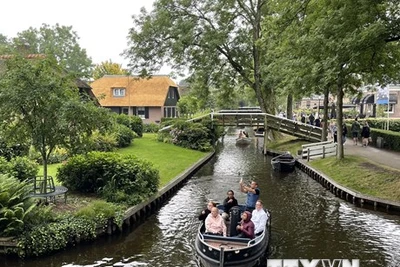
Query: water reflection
[[308, 221]]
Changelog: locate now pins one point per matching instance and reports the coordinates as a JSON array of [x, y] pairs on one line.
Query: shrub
[[5, 167], [46, 238], [124, 135], [100, 211], [150, 127], [116, 177], [134, 123], [199, 136], [10, 151], [23, 168]]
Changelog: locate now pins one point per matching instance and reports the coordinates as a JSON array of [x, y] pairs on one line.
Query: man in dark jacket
[[246, 226], [228, 203]]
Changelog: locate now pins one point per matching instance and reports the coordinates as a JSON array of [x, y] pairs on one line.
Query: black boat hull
[[251, 255], [283, 163]]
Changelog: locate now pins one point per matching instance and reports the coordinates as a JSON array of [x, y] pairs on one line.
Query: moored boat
[[259, 132], [213, 250], [283, 163]]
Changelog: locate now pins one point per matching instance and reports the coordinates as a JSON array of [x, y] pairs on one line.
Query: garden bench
[[51, 191]]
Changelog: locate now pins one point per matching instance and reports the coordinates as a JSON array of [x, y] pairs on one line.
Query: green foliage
[[108, 68], [97, 141], [381, 123], [197, 136], [52, 114], [23, 168], [134, 123], [222, 49], [150, 127], [187, 105], [12, 150], [42, 214], [58, 41], [15, 205], [46, 238], [4, 166], [116, 177], [101, 211], [391, 140], [124, 135]]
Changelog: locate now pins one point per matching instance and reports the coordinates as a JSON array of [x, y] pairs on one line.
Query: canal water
[[308, 222]]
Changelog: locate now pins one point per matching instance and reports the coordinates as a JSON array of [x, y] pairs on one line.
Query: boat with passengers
[[213, 250]]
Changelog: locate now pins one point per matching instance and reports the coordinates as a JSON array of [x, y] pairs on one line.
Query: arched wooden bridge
[[255, 118]]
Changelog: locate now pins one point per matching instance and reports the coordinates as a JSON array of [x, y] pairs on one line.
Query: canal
[[308, 221]]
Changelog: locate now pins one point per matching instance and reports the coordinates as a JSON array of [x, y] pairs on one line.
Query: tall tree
[[41, 103], [218, 40], [345, 43], [58, 41], [108, 68]]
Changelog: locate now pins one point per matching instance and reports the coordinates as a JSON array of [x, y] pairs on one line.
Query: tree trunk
[[340, 93], [325, 126], [289, 106]]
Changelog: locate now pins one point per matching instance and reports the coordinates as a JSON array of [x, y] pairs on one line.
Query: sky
[[101, 25]]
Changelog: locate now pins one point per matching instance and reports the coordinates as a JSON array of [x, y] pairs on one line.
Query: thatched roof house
[[149, 98]]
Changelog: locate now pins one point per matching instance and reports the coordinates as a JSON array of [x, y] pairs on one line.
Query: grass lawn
[[362, 175], [353, 172], [169, 159], [287, 143], [51, 171]]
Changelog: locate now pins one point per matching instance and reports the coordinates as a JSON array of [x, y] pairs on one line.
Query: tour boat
[[213, 250], [243, 141]]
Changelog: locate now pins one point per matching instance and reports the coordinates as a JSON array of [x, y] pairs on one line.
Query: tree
[[346, 43], [216, 40], [108, 68], [58, 41], [41, 103]]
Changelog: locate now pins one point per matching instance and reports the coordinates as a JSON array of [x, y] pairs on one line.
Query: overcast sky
[[101, 25]]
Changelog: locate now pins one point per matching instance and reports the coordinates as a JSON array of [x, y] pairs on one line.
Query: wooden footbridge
[[256, 119]]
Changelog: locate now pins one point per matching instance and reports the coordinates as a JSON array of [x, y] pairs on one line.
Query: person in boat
[[203, 215], [215, 225], [253, 193], [241, 134], [259, 217], [228, 203], [246, 134], [246, 226]]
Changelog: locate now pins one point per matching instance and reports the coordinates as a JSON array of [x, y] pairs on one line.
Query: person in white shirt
[[259, 218]]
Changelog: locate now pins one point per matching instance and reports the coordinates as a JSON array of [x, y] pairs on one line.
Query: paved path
[[381, 156]]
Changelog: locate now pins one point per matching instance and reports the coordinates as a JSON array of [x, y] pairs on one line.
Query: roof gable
[[140, 92]]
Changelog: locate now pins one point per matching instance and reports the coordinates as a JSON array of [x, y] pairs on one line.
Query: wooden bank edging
[[343, 192]]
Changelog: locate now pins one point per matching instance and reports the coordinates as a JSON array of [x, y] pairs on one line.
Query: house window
[[118, 92], [391, 108], [171, 93], [141, 112], [170, 112], [125, 111]]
